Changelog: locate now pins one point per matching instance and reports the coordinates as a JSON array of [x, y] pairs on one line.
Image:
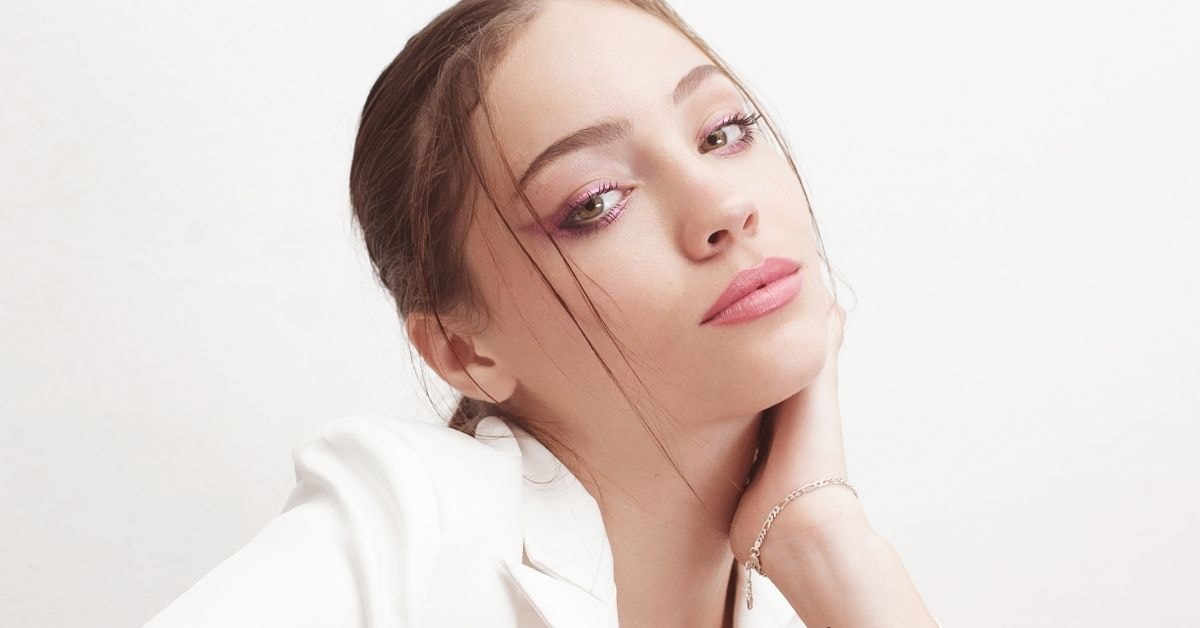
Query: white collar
[[567, 574]]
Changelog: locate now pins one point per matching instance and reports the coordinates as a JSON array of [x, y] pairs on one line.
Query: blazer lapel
[[567, 571], [559, 603]]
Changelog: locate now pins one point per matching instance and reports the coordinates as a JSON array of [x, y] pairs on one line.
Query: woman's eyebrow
[[607, 131], [692, 80]]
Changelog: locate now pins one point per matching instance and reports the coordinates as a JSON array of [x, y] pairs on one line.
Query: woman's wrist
[[804, 519], [842, 572], [835, 511]]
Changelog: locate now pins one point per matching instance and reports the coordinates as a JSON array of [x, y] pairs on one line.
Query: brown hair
[[414, 161]]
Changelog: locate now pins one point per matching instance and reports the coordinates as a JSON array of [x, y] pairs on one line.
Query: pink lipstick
[[755, 292]]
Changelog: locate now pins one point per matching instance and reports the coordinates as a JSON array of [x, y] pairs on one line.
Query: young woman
[[591, 232]]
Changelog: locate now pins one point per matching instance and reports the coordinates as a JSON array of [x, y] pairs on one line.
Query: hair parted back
[[415, 162]]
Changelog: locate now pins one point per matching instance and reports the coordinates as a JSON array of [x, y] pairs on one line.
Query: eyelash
[[586, 200], [749, 125]]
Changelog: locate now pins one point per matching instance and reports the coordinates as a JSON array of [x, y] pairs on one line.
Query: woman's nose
[[716, 213]]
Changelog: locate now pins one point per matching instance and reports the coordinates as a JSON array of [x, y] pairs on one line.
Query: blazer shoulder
[[294, 572], [380, 445], [373, 433], [394, 462], [374, 499], [423, 506]]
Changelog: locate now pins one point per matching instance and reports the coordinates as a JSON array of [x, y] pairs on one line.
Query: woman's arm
[[820, 551], [353, 546], [295, 572], [835, 570]]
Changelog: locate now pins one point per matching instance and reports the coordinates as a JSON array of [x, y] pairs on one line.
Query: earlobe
[[456, 357]]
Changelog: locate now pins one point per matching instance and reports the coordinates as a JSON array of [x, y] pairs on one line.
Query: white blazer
[[398, 523]]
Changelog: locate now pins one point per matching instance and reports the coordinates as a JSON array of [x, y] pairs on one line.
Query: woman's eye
[[599, 207], [736, 131], [724, 136]]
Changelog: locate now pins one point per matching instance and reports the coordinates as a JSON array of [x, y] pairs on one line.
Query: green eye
[[593, 207]]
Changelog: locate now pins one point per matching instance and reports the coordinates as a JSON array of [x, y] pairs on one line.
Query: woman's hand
[[801, 441], [820, 552]]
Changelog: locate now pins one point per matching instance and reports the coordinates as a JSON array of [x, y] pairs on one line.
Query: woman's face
[[655, 214]]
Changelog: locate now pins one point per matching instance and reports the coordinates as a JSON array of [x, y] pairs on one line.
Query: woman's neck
[[671, 557]]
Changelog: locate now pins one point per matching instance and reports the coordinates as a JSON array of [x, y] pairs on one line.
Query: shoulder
[[373, 439], [386, 466], [425, 511], [369, 436], [401, 461], [293, 572], [385, 511]]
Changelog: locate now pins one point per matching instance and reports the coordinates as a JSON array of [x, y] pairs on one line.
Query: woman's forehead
[[580, 62]]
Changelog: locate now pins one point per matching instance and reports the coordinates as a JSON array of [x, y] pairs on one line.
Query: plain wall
[[1009, 189]]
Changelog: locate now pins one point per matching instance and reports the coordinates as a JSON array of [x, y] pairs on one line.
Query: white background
[[1009, 188]]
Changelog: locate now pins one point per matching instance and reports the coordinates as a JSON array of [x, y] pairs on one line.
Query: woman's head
[[516, 267]]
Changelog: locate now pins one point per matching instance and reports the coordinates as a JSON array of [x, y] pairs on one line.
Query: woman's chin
[[767, 382], [800, 377]]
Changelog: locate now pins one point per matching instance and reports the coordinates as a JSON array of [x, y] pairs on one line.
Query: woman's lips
[[769, 298], [747, 285]]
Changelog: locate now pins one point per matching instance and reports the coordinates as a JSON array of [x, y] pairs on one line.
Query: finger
[[837, 324]]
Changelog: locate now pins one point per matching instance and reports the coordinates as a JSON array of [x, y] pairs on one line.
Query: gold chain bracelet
[[755, 560]]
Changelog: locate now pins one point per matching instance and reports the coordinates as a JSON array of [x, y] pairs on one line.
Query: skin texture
[[694, 216]]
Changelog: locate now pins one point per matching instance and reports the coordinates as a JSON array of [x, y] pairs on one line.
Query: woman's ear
[[458, 359]]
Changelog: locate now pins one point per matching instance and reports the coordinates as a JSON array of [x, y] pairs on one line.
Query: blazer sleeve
[[352, 546], [294, 572]]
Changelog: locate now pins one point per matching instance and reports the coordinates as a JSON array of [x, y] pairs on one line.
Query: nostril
[[712, 239]]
